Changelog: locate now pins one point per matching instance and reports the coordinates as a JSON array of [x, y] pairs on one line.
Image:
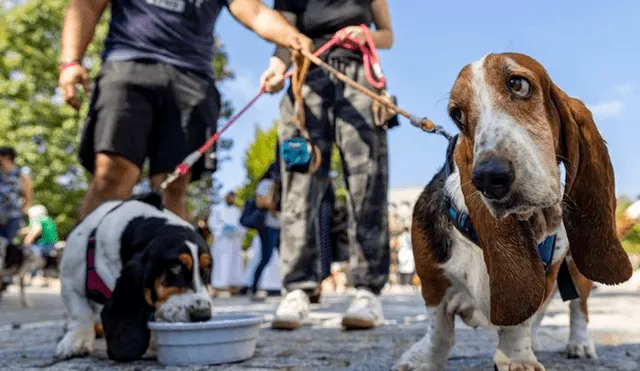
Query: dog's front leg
[[432, 351], [580, 343], [514, 349], [79, 337]]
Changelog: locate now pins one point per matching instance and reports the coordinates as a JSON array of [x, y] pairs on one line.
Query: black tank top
[[321, 19]]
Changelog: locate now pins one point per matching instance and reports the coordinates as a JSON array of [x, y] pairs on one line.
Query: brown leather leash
[[424, 124], [300, 71]]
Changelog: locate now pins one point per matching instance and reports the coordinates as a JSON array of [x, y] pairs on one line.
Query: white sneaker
[[292, 311], [365, 312]]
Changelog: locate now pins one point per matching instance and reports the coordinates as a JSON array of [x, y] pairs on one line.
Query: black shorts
[[148, 110]]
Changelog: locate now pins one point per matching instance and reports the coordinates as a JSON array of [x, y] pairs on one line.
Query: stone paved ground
[[615, 326]]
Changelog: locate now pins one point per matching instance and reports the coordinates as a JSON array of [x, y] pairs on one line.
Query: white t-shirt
[[264, 188]]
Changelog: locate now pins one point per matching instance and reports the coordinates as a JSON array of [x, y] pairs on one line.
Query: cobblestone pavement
[[28, 337]]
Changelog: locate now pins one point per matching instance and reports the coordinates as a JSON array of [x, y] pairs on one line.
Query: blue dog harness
[[462, 221]]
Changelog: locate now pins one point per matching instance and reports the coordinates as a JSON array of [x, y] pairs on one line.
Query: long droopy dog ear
[[516, 273], [589, 200], [125, 316]]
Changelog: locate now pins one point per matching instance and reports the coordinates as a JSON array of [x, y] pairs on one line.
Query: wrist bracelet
[[64, 65]]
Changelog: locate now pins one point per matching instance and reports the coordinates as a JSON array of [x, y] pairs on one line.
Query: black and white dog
[[131, 261]]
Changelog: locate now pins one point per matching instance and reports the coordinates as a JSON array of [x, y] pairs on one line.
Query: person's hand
[[300, 42], [355, 32], [272, 80], [68, 80]]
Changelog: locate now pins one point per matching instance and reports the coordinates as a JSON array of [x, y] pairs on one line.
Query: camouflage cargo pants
[[339, 114]]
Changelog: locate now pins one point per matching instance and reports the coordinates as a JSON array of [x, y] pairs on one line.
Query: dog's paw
[[580, 349], [411, 366], [519, 366], [415, 360], [75, 344]]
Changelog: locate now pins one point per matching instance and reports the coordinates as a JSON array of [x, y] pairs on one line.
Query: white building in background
[[401, 203]]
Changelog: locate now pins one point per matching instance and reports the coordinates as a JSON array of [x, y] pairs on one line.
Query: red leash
[[341, 39]]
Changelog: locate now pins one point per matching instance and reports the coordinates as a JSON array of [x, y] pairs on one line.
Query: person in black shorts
[[155, 96]]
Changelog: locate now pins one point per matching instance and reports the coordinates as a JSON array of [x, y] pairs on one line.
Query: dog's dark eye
[[519, 86], [457, 116], [176, 269]]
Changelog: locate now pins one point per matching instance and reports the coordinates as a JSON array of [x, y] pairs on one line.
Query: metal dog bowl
[[223, 339]]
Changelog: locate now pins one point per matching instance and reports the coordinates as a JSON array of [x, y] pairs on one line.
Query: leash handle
[[373, 70]]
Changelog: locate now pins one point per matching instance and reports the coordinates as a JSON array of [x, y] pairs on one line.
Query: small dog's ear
[[152, 198], [125, 316]]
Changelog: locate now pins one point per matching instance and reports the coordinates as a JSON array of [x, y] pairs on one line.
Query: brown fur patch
[[163, 293], [550, 281], [516, 274], [204, 261], [434, 283], [583, 285], [98, 329], [186, 260], [459, 98]]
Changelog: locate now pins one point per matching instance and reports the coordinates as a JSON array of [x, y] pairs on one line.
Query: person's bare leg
[[113, 179], [176, 194]]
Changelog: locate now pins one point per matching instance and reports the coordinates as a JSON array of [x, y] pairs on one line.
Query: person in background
[[203, 230], [155, 97], [267, 198], [406, 264], [228, 268], [41, 234], [336, 113], [270, 282], [16, 194]]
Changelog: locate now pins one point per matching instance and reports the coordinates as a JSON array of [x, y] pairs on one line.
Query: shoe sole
[[285, 325], [357, 324]]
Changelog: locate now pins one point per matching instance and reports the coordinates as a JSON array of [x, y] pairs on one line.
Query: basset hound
[[493, 228], [131, 261]]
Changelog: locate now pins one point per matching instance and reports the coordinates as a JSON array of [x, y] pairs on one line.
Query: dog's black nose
[[200, 314], [493, 177]]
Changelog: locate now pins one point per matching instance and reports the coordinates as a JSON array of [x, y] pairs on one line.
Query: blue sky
[[590, 48]]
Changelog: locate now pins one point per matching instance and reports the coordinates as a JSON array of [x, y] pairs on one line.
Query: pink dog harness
[[95, 287]]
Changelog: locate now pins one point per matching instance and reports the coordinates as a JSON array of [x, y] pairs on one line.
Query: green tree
[[33, 118], [258, 156]]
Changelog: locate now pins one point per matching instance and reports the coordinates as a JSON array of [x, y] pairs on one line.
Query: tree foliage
[[33, 118]]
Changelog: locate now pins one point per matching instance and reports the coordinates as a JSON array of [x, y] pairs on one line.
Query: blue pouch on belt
[[297, 154]]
